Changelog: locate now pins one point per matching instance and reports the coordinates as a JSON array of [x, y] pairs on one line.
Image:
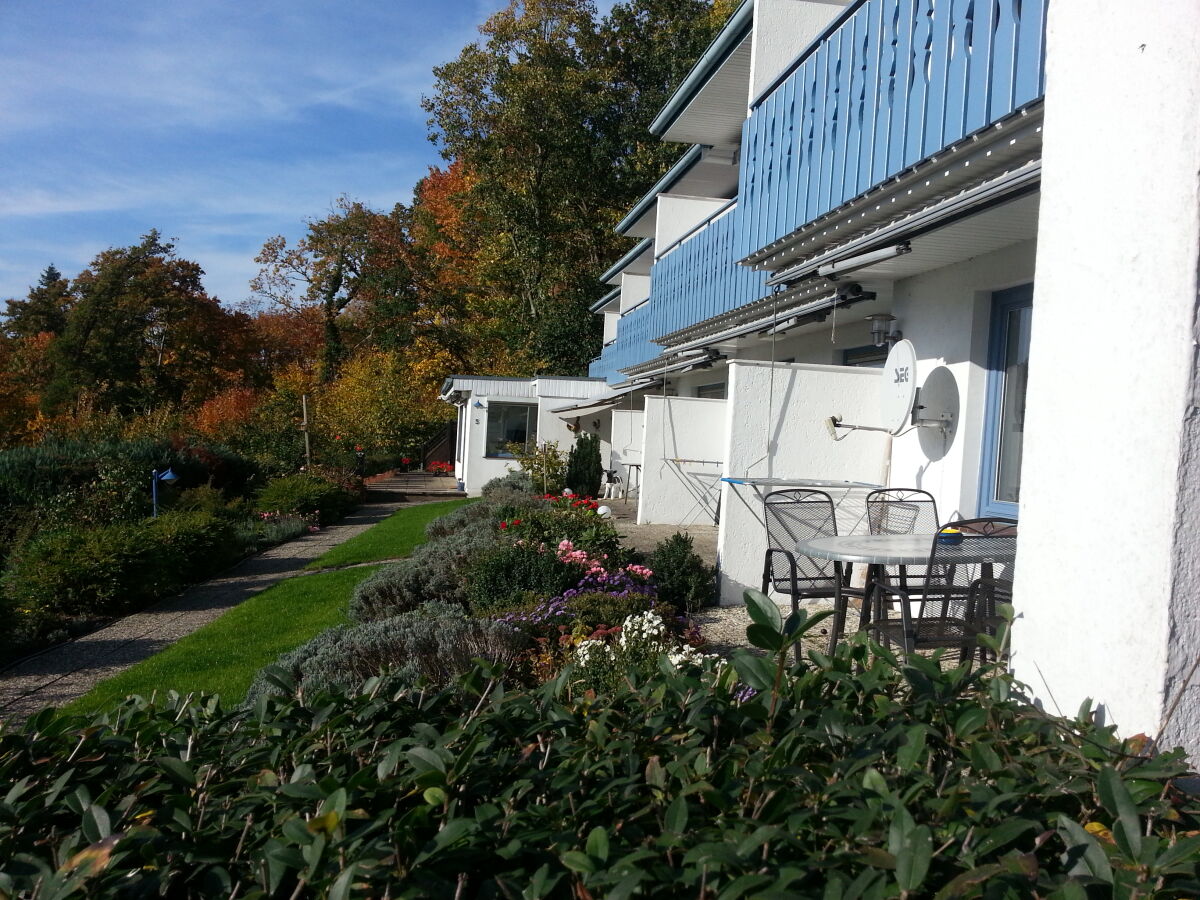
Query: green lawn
[[224, 656], [395, 536]]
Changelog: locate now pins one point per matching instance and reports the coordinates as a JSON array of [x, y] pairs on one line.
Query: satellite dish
[[898, 391]]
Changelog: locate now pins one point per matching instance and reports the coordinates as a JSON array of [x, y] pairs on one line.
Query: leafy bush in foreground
[[850, 776]]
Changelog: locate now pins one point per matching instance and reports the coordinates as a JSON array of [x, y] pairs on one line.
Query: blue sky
[[219, 122]]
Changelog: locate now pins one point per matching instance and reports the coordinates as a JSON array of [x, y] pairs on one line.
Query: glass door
[[1004, 422]]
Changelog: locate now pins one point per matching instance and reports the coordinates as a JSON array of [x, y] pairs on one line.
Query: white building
[[919, 163], [496, 412]]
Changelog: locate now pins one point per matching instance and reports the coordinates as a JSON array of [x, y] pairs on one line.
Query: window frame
[[531, 411], [1003, 304]]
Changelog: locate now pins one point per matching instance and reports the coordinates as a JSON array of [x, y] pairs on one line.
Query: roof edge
[[723, 44], [615, 269], [681, 167]]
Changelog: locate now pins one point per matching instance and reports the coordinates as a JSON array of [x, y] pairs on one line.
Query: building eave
[[625, 261], [718, 51], [673, 174]]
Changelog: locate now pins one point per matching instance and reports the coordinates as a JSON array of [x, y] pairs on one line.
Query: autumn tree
[[142, 333], [326, 269], [548, 112]]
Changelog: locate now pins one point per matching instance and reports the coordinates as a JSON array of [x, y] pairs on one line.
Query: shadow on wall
[[939, 394]]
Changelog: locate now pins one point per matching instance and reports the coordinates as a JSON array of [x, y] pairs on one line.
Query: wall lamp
[[884, 330]]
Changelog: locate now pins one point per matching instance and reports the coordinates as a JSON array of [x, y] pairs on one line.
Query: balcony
[[890, 83], [695, 278], [632, 345]]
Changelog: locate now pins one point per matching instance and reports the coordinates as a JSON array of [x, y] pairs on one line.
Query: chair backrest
[[800, 514], [987, 543], [902, 511]]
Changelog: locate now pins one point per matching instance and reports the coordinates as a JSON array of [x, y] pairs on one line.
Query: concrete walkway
[[62, 673]]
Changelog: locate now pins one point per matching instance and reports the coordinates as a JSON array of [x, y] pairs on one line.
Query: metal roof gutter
[[718, 51], [626, 260], [605, 300], [673, 174]]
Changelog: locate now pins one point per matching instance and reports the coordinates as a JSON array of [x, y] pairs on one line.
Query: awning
[[600, 403], [663, 365]]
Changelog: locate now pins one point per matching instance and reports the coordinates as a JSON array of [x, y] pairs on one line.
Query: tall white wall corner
[[1108, 577]]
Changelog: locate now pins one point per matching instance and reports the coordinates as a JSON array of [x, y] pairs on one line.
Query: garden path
[[62, 673]]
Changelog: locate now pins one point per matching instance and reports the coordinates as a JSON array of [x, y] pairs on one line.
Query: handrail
[[699, 226]]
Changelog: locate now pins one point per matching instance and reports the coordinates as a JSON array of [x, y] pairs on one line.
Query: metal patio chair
[[799, 515], [956, 600], [902, 511]]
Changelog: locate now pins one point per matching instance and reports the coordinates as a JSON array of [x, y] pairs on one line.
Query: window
[[711, 391], [870, 357], [1004, 422], [509, 423]]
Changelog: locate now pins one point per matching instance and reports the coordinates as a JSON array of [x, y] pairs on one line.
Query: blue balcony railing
[[891, 82], [695, 279], [632, 345], [700, 277]]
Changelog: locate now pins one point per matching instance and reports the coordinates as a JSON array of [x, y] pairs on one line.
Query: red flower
[[516, 521], [503, 524]]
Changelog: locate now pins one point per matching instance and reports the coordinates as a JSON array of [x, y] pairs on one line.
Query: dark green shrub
[[208, 499], [305, 495], [92, 572], [435, 642], [203, 543], [684, 580], [507, 575], [585, 472], [855, 777]]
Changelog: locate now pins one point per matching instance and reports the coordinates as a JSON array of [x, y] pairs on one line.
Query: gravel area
[[724, 627]]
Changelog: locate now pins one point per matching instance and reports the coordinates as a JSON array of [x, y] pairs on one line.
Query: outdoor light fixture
[[167, 477], [884, 330]]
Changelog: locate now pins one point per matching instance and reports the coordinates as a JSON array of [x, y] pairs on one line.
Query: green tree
[[327, 268], [142, 333], [44, 310], [548, 112]]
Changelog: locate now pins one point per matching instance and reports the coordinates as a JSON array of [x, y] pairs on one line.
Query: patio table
[[876, 551]]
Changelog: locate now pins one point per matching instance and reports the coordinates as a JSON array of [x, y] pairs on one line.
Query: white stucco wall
[[776, 427], [782, 29], [480, 469], [685, 440], [611, 323], [946, 314], [627, 436], [634, 289], [1108, 577], [679, 215]]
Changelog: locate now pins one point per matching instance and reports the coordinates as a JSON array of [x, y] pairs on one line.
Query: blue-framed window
[[1004, 418]]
